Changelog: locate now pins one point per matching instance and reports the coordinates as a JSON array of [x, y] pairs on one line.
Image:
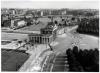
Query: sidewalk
[[13, 45], [35, 53]]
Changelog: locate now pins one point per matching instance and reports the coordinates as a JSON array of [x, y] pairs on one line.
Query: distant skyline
[[51, 4]]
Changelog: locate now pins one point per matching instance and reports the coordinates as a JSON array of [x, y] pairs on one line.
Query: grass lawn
[[12, 60]]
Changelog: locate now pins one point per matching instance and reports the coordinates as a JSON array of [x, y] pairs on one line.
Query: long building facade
[[41, 39]]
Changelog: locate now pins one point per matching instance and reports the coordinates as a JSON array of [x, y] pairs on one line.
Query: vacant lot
[[11, 36], [34, 27], [12, 60]]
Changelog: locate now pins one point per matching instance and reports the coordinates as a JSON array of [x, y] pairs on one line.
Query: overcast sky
[[51, 4]]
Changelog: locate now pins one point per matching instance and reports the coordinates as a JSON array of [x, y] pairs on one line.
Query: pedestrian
[[50, 47]]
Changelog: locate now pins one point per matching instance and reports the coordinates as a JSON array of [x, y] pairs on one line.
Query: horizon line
[[47, 8]]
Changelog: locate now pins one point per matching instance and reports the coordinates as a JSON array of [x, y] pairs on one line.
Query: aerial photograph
[[50, 36]]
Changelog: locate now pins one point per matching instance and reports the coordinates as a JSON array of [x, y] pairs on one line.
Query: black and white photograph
[[50, 36]]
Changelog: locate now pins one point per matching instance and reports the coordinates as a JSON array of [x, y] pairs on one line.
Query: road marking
[[52, 64], [44, 63], [51, 67]]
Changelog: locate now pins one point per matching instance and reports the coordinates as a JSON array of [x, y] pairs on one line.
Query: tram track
[[59, 63]]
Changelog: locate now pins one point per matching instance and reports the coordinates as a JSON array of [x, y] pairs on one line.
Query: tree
[[20, 42], [56, 22], [25, 41], [75, 50]]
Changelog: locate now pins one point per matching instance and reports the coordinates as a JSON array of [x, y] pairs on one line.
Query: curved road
[[71, 37], [67, 40]]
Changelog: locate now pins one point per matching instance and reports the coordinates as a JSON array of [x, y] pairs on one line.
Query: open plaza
[[49, 39]]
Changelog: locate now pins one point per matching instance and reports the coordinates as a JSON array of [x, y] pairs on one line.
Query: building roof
[[45, 35]]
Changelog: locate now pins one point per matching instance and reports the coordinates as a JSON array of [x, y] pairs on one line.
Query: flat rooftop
[[43, 35]]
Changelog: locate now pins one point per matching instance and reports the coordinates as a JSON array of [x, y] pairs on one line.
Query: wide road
[[59, 63], [71, 38]]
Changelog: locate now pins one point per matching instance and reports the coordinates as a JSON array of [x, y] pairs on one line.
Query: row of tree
[[89, 26], [83, 60]]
